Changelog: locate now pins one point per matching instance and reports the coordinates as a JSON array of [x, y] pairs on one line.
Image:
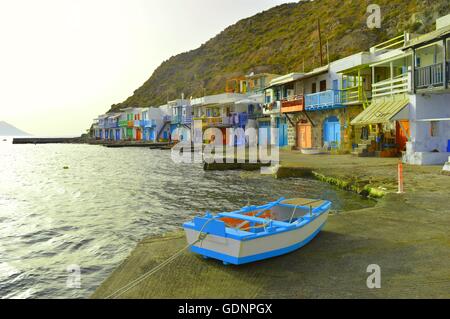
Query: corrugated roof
[[285, 79], [381, 110]]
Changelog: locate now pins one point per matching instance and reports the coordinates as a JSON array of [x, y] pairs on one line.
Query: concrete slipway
[[406, 235]]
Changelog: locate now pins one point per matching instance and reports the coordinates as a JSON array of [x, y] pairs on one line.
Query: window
[[434, 129], [335, 85], [314, 88], [323, 85]]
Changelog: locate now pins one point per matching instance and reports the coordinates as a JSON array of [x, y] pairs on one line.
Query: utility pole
[[328, 53], [320, 42]]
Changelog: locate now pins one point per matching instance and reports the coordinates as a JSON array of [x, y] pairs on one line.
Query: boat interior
[[283, 213]]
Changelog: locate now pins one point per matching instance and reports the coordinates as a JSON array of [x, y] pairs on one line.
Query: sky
[[64, 62]]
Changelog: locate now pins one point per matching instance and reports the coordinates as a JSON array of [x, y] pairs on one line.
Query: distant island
[[7, 129]]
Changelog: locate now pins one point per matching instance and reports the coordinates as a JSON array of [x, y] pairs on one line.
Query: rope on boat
[[202, 236]]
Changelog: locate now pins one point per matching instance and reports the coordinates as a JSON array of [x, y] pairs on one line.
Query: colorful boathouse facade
[[391, 100]]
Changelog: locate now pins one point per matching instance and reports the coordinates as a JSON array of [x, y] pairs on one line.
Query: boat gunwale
[[242, 235]]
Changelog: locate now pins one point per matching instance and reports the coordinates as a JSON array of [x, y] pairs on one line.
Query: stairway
[[363, 148]]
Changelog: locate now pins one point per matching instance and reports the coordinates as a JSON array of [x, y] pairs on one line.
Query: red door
[[401, 134], [138, 135]]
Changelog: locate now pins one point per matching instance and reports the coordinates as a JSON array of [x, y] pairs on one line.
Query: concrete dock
[[47, 140], [407, 235]]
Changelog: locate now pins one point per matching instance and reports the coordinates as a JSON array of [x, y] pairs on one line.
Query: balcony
[[396, 85], [187, 119], [148, 123], [167, 118], [430, 76], [123, 123], [182, 119], [272, 107], [215, 121], [130, 124], [323, 100], [293, 104], [111, 124]]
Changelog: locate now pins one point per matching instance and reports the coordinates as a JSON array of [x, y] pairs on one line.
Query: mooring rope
[[152, 271]]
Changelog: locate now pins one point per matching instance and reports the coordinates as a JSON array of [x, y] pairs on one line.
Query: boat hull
[[235, 251]]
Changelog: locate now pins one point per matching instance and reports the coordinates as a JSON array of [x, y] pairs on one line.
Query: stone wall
[[345, 115]]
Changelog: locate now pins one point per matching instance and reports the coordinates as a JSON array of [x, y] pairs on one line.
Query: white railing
[[430, 76], [396, 85], [394, 43]]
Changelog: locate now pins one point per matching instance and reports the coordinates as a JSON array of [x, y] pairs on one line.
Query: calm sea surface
[[94, 213]]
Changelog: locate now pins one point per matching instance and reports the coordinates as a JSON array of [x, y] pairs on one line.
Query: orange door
[[304, 135], [138, 135], [402, 134]]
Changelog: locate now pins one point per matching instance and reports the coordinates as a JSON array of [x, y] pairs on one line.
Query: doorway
[[332, 132], [304, 135]]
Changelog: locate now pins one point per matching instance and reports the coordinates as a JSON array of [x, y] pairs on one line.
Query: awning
[[246, 101], [381, 111]]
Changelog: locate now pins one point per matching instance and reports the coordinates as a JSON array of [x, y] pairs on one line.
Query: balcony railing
[[167, 118], [182, 119], [148, 123], [295, 103], [214, 121], [187, 119], [113, 124], [323, 100], [394, 43], [396, 85], [123, 123], [429, 76]]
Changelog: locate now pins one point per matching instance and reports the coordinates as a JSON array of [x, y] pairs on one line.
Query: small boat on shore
[[257, 232]]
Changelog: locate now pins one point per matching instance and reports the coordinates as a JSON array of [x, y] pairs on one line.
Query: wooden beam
[[290, 120], [320, 42], [445, 71], [309, 119]]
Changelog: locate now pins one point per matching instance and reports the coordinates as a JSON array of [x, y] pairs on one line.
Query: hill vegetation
[[281, 40]]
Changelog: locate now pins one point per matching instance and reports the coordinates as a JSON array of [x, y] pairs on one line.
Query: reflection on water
[[95, 212]]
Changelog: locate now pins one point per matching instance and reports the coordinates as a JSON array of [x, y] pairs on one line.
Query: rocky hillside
[[281, 40]]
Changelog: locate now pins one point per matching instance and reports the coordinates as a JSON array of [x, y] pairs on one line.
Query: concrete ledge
[[426, 158]]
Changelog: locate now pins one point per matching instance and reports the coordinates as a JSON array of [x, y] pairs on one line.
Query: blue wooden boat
[[257, 232]]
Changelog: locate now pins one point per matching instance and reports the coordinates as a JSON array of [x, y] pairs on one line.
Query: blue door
[[282, 130], [117, 135], [332, 132], [152, 135], [264, 135], [283, 135]]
